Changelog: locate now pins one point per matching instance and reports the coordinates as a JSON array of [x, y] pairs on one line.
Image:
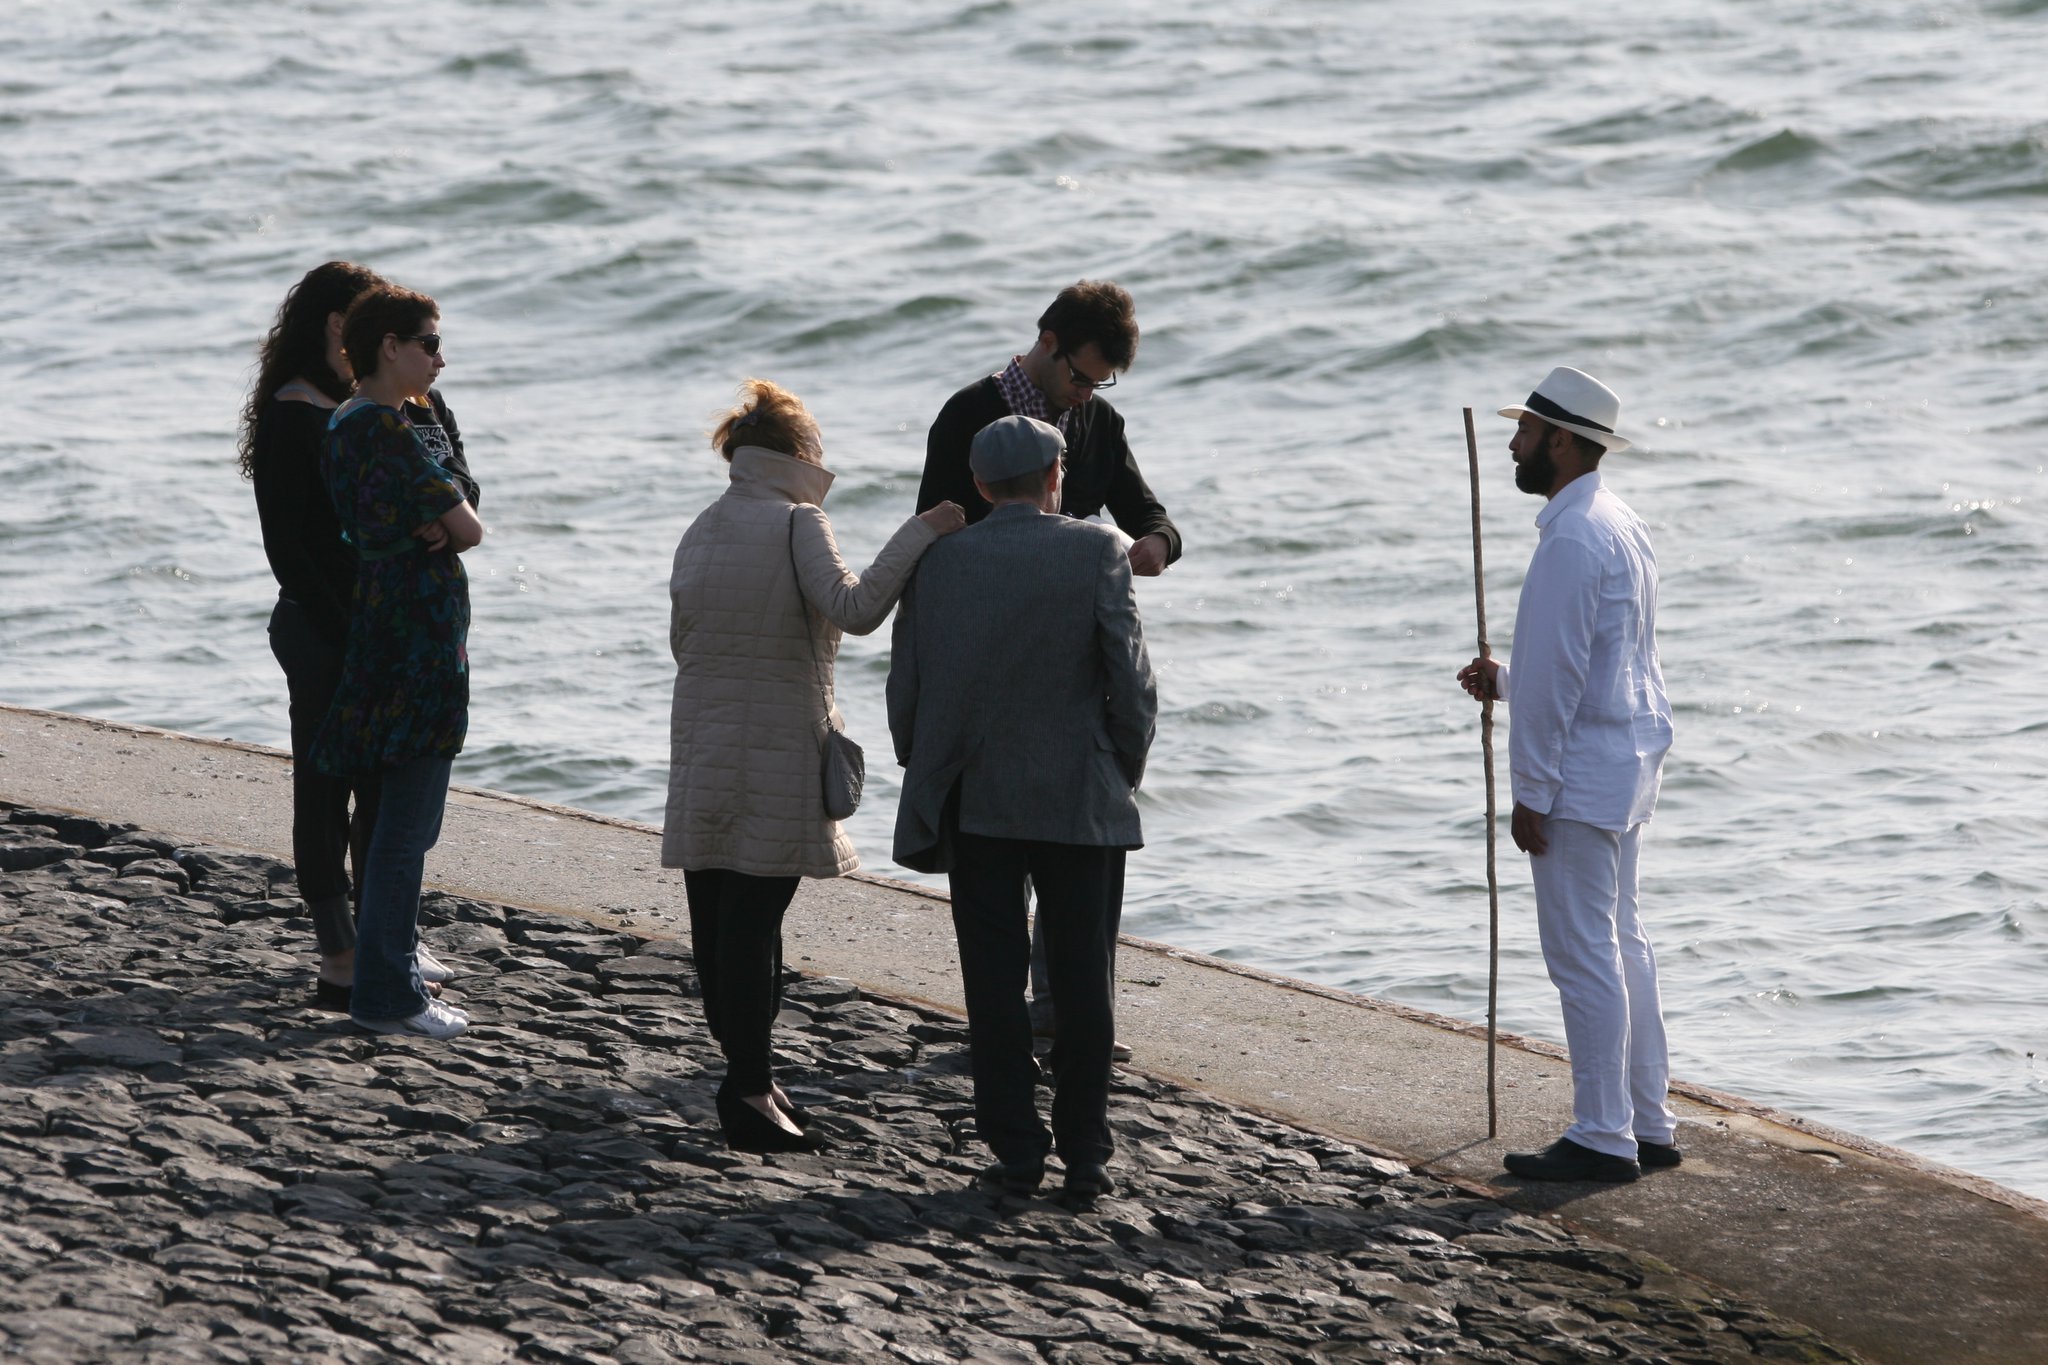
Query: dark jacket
[[1018, 671], [1101, 472]]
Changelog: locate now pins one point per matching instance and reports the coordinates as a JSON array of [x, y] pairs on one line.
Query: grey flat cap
[[1011, 447]]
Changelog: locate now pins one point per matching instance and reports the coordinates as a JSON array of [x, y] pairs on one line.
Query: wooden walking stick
[[1492, 814]]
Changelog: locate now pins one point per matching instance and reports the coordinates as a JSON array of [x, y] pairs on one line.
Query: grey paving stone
[[196, 1166]]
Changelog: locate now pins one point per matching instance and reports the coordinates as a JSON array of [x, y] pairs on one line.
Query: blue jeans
[[409, 807]]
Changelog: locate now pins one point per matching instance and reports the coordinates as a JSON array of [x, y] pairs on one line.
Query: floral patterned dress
[[404, 691]]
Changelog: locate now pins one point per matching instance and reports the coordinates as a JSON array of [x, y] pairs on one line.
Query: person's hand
[[946, 518], [1481, 678], [434, 534], [1148, 555], [1527, 828]]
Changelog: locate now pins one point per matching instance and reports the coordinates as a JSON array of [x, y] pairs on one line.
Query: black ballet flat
[[798, 1115], [747, 1129]]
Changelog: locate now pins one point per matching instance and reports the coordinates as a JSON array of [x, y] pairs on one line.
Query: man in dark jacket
[[1085, 339], [1022, 706]]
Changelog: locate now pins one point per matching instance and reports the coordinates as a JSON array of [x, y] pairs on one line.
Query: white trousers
[[1606, 976]]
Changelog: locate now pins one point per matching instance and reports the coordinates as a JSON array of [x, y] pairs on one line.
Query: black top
[[302, 540], [1101, 472]]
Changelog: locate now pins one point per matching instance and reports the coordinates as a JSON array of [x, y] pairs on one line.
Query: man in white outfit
[[1589, 730]]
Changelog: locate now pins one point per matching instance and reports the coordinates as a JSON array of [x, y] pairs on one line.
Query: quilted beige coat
[[750, 705]]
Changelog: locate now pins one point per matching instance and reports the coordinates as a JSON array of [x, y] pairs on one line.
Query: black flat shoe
[[1089, 1181], [1657, 1156], [1013, 1177], [1567, 1160], [747, 1129], [798, 1115]]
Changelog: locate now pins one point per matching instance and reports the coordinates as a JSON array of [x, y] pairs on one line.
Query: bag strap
[[809, 639]]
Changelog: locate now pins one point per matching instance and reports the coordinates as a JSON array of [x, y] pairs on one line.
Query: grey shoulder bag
[[843, 768]]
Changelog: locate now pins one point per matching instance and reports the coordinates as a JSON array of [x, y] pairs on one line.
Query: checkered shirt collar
[[1022, 397]]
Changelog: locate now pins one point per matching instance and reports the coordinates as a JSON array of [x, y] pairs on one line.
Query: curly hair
[[296, 347], [770, 416], [1097, 311]]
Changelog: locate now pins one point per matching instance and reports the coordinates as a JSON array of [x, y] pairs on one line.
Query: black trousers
[[736, 936], [321, 821], [1080, 902]]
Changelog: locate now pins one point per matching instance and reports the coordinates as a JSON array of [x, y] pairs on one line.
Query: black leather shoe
[[1657, 1156], [1567, 1160], [1089, 1180], [747, 1129], [1013, 1177]]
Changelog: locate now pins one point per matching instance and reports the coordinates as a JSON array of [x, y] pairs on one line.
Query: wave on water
[[1981, 163], [1782, 150], [908, 316], [513, 58], [1053, 152], [1671, 116]]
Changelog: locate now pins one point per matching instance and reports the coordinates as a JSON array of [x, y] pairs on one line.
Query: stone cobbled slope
[[197, 1166]]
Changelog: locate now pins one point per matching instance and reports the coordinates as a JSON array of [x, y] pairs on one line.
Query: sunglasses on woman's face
[[430, 342]]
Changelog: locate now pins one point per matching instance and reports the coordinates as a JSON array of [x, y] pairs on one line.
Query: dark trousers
[[736, 936], [321, 823], [1080, 902]]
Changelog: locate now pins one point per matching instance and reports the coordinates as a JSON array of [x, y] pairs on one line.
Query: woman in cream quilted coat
[[759, 596]]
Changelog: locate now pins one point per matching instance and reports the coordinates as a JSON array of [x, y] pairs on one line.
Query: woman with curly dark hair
[[302, 376]]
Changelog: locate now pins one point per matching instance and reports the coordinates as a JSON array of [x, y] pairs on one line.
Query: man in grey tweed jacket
[[1022, 706]]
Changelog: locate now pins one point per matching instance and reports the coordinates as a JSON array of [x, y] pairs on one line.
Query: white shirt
[[1591, 723]]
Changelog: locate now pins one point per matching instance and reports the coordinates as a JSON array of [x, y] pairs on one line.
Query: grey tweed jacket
[[1018, 670]]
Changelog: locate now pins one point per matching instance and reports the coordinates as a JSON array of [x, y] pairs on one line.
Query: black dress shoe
[[1089, 1180], [1657, 1155], [747, 1129], [1567, 1160], [1013, 1177]]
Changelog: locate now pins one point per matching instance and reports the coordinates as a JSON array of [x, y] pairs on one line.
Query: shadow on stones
[[196, 1166]]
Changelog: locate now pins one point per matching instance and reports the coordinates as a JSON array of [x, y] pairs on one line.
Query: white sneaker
[[433, 969], [437, 1021]]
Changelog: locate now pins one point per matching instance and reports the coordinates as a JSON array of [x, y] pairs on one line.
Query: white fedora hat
[[1578, 402]]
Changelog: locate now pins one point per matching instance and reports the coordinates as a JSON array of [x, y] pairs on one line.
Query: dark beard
[[1536, 474]]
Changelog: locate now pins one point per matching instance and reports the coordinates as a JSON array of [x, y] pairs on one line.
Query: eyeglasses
[[430, 342], [1082, 381]]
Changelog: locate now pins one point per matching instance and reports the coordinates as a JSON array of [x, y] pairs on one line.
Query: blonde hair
[[770, 416]]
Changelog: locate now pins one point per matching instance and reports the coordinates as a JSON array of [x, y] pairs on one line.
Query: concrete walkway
[[1896, 1258]]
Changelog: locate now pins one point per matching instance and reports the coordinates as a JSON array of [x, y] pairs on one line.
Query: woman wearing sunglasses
[[302, 375], [401, 709]]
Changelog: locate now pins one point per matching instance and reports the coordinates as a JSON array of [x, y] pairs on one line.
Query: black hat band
[[1543, 407]]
